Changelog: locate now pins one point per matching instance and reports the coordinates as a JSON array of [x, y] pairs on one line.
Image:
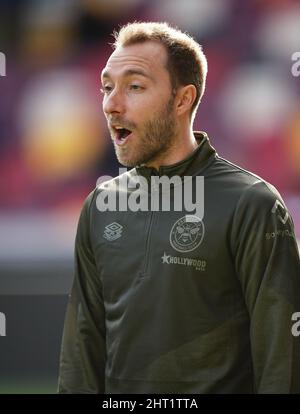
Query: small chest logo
[[187, 233], [113, 231]]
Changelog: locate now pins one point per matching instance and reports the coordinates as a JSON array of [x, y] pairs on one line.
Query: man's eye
[[135, 87], [106, 89]]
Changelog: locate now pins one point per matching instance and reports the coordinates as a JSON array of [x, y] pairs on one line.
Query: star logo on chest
[[165, 258]]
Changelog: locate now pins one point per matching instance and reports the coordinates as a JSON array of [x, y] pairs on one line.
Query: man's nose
[[113, 103]]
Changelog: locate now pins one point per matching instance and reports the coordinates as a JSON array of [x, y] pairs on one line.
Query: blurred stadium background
[[54, 143]]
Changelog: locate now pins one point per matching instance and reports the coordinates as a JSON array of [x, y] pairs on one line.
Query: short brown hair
[[186, 64]]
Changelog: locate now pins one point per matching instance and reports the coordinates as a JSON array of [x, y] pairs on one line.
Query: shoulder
[[260, 198], [249, 188], [107, 186], [108, 183]]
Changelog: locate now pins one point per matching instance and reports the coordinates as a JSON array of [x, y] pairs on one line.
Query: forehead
[[149, 57]]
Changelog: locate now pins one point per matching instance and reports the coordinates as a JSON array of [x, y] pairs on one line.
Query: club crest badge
[[187, 233]]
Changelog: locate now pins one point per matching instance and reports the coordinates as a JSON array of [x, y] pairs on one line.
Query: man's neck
[[181, 149]]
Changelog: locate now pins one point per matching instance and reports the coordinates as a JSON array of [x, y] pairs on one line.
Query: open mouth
[[122, 135]]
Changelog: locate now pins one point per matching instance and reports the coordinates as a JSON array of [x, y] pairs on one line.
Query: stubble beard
[[153, 142]]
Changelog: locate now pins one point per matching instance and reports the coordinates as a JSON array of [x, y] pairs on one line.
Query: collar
[[192, 164]]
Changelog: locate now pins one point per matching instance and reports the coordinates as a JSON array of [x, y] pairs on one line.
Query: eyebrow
[[128, 72]]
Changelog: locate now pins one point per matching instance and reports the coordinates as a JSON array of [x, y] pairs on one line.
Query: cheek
[[142, 108]]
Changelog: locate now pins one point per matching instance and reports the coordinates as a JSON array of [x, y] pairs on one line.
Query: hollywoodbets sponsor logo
[[198, 264]]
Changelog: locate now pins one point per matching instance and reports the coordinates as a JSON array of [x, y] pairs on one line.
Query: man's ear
[[185, 97]]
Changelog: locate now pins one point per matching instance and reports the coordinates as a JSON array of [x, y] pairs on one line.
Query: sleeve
[[83, 350], [268, 266]]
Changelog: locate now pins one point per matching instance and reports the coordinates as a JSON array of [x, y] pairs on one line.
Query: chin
[[126, 163]]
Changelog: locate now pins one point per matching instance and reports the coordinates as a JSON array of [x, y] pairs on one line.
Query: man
[[167, 301]]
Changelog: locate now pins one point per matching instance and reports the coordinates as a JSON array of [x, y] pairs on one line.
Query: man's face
[[138, 103]]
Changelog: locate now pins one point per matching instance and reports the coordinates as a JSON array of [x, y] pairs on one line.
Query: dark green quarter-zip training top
[[163, 304]]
